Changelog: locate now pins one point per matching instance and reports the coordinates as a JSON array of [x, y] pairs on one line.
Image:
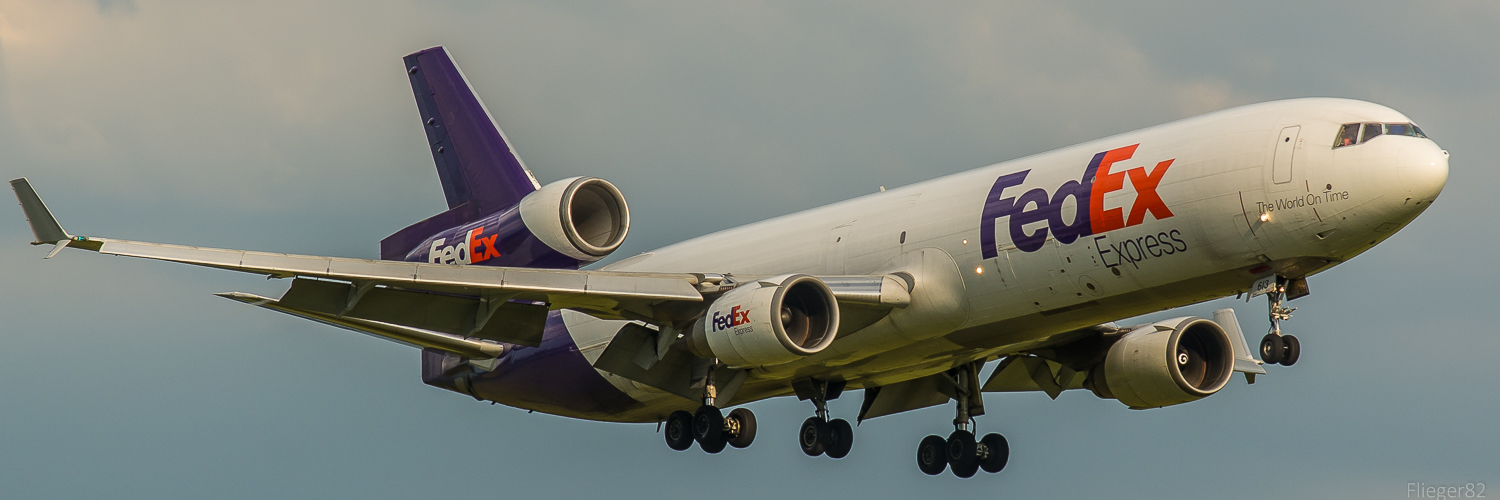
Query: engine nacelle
[[1165, 363], [767, 322], [583, 217]]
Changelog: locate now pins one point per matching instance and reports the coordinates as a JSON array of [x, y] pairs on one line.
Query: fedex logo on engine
[[474, 249], [736, 317], [1092, 216]]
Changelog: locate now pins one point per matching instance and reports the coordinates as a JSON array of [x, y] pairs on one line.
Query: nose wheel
[[1280, 349], [1275, 347]]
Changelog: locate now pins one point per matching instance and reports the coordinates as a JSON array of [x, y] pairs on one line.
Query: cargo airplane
[[905, 294]]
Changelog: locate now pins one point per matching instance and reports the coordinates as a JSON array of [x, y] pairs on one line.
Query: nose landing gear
[[1275, 347], [961, 451]]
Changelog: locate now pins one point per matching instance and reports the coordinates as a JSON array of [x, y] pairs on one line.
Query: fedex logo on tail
[[474, 249], [1092, 217]]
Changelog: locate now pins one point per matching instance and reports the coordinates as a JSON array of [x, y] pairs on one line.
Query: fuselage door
[[1286, 147]]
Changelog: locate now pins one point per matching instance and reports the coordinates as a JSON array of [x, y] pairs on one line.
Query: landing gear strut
[[1276, 348], [708, 426], [961, 450], [819, 435]]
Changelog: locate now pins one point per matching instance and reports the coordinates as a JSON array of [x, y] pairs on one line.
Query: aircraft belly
[[555, 378]]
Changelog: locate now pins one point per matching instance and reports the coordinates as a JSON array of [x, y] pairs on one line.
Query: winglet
[[43, 225]]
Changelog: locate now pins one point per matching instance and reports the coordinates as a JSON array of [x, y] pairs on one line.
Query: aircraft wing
[[419, 295], [600, 291], [443, 306]]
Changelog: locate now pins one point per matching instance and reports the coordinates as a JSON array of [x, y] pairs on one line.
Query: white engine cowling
[[767, 322], [1166, 363], [583, 217]]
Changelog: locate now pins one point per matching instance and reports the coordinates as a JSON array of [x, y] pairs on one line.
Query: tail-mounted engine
[[767, 322], [584, 217], [1165, 363], [563, 225]]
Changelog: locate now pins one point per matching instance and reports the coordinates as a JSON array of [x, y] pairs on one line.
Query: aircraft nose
[[1423, 171]]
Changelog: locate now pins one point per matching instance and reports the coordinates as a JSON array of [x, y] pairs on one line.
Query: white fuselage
[[1243, 196]]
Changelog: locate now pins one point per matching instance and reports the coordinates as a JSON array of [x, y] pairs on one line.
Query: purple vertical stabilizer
[[480, 172], [474, 160]]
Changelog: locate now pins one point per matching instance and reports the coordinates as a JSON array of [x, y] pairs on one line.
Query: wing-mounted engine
[[1165, 363], [767, 322]]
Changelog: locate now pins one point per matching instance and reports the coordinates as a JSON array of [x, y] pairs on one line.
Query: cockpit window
[[1405, 129], [1349, 133]]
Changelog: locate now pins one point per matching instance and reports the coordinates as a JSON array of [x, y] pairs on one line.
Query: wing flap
[[470, 348], [516, 322]]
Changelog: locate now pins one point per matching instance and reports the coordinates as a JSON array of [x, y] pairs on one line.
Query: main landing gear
[[709, 427], [966, 455], [819, 435], [1276, 348]]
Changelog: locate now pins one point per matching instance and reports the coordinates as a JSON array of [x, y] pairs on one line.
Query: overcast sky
[[287, 126]]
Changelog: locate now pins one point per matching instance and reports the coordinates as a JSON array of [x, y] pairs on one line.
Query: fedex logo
[[474, 249], [1092, 217], [736, 317]]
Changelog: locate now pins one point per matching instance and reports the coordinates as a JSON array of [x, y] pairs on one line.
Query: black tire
[[746, 420], [998, 453], [932, 455], [679, 430], [708, 429], [966, 471], [1291, 350], [840, 438], [812, 435], [1271, 349], [961, 453]]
